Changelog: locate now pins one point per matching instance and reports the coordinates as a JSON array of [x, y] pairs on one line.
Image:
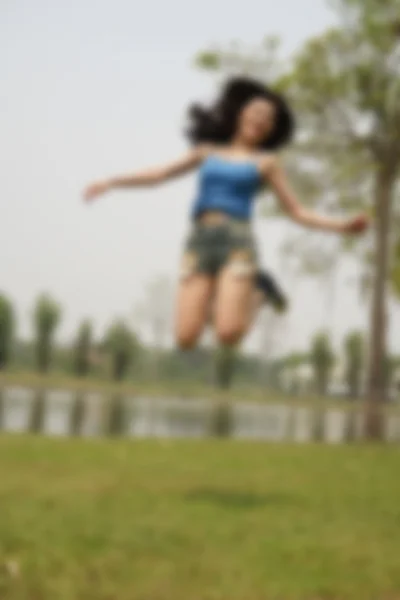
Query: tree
[[47, 315], [354, 362], [322, 360], [395, 270], [82, 349], [272, 329], [122, 345], [345, 85], [291, 367], [225, 362], [391, 366], [7, 324]]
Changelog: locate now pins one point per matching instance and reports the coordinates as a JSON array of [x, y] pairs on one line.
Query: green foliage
[[260, 61], [82, 349], [289, 366], [294, 360], [7, 326], [345, 87], [354, 349], [46, 317], [392, 364], [322, 360], [208, 60], [122, 345]]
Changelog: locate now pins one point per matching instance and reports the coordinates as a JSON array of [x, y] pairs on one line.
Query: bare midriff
[[213, 217]]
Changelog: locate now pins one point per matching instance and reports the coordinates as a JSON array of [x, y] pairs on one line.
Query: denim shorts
[[211, 247]]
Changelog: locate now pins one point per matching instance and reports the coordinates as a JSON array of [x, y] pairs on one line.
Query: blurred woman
[[234, 148]]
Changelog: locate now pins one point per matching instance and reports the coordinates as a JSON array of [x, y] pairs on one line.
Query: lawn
[[213, 520]]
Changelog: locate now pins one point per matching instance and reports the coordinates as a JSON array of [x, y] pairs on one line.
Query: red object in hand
[[358, 224]]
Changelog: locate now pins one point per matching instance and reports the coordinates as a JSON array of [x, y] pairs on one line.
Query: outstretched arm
[[147, 178], [278, 181]]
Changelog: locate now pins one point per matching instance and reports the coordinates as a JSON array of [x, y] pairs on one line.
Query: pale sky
[[96, 87]]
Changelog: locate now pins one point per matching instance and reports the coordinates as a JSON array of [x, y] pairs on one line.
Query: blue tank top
[[227, 186]]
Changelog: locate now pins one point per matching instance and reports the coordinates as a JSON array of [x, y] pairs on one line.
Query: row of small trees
[[120, 349], [323, 360], [119, 343]]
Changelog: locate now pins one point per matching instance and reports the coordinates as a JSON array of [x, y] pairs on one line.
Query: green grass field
[[108, 520]]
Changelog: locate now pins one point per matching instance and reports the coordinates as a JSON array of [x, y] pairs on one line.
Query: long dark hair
[[217, 123]]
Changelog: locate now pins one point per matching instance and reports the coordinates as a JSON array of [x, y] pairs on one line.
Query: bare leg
[[257, 302], [192, 311], [234, 302], [233, 309]]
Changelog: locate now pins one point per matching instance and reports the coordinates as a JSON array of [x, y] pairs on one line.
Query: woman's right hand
[[96, 189]]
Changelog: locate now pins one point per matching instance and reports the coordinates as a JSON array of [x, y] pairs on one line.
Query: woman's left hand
[[357, 224]]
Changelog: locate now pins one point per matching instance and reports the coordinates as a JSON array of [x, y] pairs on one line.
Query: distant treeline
[[120, 354]]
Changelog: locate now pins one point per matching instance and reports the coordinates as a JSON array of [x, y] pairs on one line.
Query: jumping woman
[[234, 145]]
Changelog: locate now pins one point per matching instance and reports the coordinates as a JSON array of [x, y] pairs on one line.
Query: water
[[17, 406], [171, 418], [92, 423], [303, 425], [256, 421], [57, 416], [335, 423], [66, 413]]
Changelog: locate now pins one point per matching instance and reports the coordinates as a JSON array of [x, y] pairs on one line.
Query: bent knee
[[186, 340], [230, 335]]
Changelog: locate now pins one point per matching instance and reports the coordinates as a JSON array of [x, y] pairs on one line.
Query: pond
[[65, 413]]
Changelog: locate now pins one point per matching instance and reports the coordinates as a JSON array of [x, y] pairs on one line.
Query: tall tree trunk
[[378, 339], [43, 353]]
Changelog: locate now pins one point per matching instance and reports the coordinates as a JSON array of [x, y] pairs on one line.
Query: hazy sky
[[94, 87]]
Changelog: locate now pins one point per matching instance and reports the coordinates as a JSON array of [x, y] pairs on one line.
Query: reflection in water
[[92, 414], [255, 421], [335, 426], [392, 429], [158, 417], [17, 403], [57, 413], [303, 425]]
